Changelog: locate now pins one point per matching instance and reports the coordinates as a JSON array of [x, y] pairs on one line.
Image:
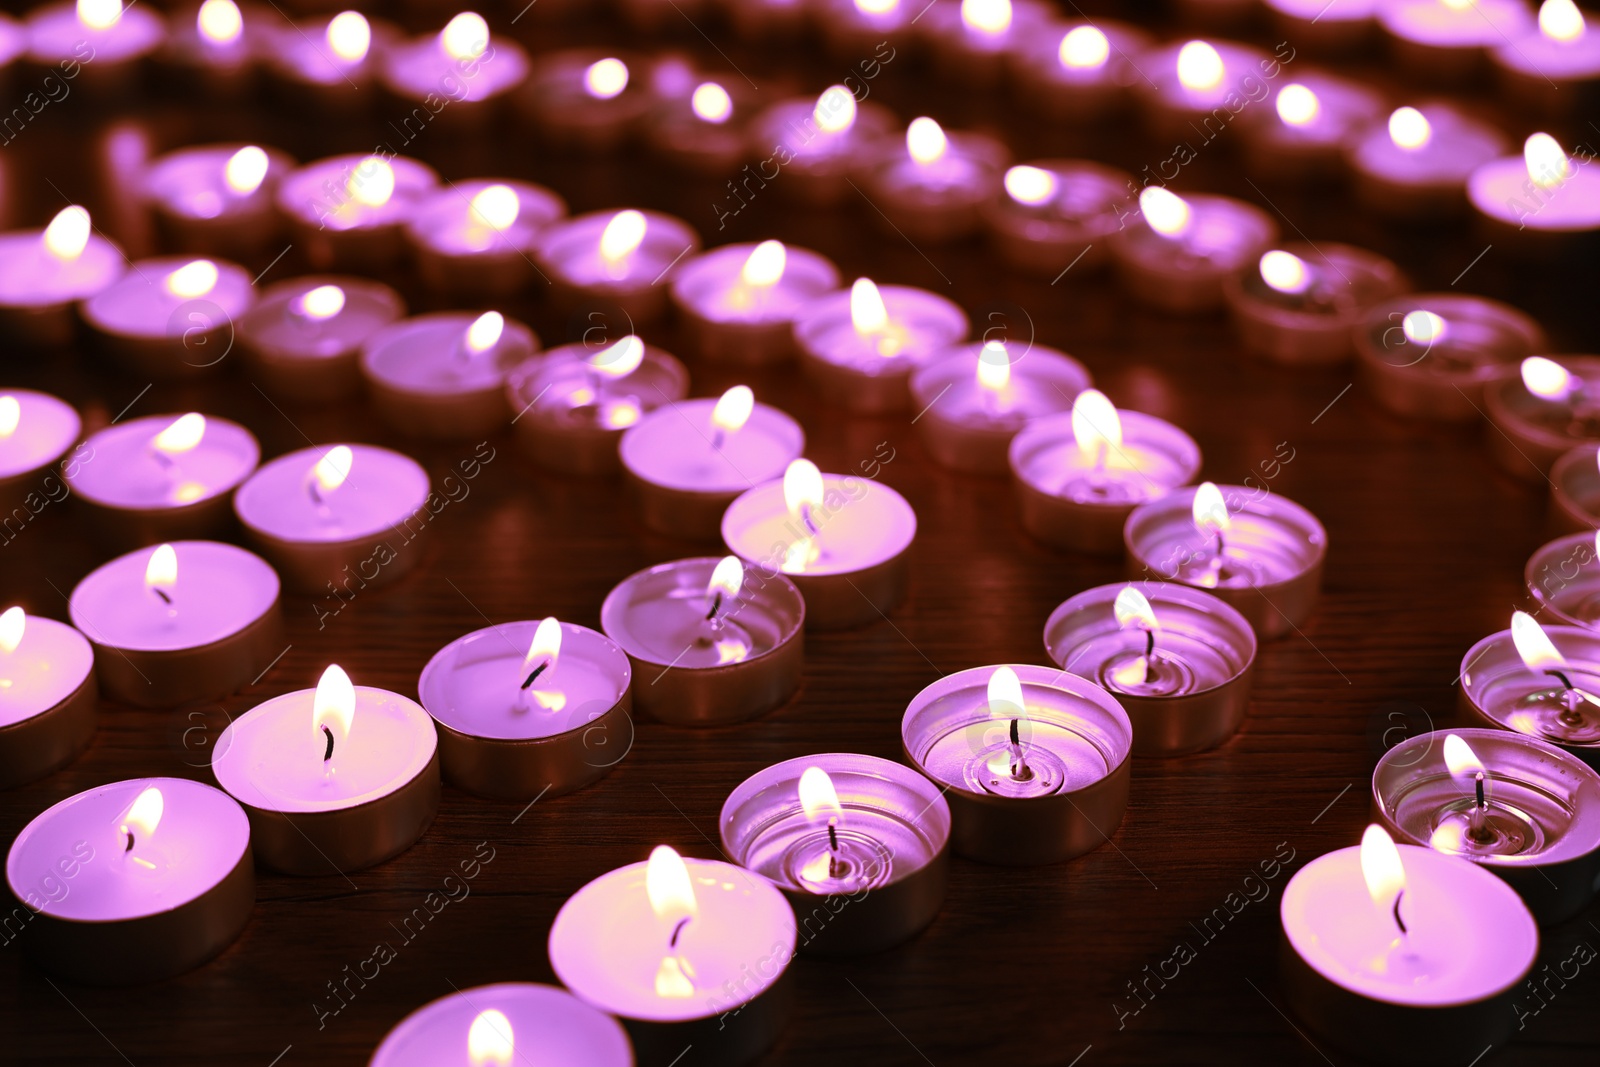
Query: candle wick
[[129, 835], [716, 605], [316, 497], [833, 834], [1565, 681], [810, 523], [1019, 766], [328, 752], [717, 438], [1401, 923], [1480, 811], [534, 674], [162, 593], [1149, 643], [676, 930], [835, 869]]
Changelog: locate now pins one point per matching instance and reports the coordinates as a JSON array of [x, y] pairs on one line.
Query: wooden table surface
[[1022, 966]]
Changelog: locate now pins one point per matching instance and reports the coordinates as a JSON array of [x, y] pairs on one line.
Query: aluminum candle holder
[[1537, 826], [1185, 682], [302, 340], [1177, 256], [703, 657], [1537, 203], [704, 131], [1058, 213], [463, 62], [348, 213], [1443, 42], [443, 376], [1334, 28], [171, 317], [1078, 72], [1267, 565], [1535, 430], [1429, 355], [475, 241], [542, 1019], [1301, 137], [45, 273], [1035, 785], [1301, 303], [738, 303], [863, 864], [1575, 490], [1554, 71], [604, 257], [313, 68], [820, 140], [1547, 701], [969, 42], [1416, 166], [1563, 576], [217, 199], [48, 696], [119, 51], [586, 99], [931, 186], [517, 721], [1186, 80], [42, 430], [861, 350]]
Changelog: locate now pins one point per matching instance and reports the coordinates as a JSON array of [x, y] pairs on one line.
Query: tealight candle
[[1554, 67], [1575, 490], [709, 641], [685, 953], [349, 213], [133, 881], [215, 49], [860, 348], [975, 398], [217, 199], [498, 1025], [463, 63], [816, 143], [192, 620], [738, 303], [36, 430], [1182, 249], [443, 375], [1538, 201], [1301, 302], [1550, 407], [686, 461], [1058, 213], [1260, 553], [1330, 27], [339, 517], [1198, 86], [855, 29], [842, 540], [1521, 680], [704, 131], [47, 696], [1431, 354], [1561, 576], [1079, 72], [519, 705], [171, 317], [1403, 954], [573, 403], [329, 65], [930, 188], [1449, 39], [1416, 166], [334, 779], [1303, 136], [1515, 805], [164, 478], [1033, 761], [858, 845], [586, 99], [302, 339], [104, 39], [968, 42], [476, 240], [1178, 660], [619, 258], [1080, 473], [44, 273]]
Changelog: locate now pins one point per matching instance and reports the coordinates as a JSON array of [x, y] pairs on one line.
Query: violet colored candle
[[521, 1023], [171, 317], [43, 273], [476, 240], [740, 301], [443, 375], [349, 212], [217, 199], [47, 696], [302, 340], [36, 430], [1416, 166], [625, 258]]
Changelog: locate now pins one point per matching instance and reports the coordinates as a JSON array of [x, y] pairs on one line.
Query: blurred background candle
[[1196, 87], [1077, 72], [217, 200], [1447, 40], [706, 130], [503, 1024], [191, 620], [860, 348], [103, 41], [815, 144], [476, 240], [1301, 302], [1539, 681], [854, 29], [44, 273], [968, 42], [349, 212], [1575, 491], [334, 779], [47, 696], [930, 188], [1183, 247], [171, 317], [587, 99], [443, 375], [329, 63], [36, 430], [214, 48], [1549, 406], [161, 880], [1537, 198], [620, 258], [462, 63], [1056, 214], [1415, 167], [1563, 577], [738, 302], [302, 340], [1555, 66], [1302, 136]]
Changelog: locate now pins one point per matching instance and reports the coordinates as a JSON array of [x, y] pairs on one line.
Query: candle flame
[[334, 705], [1298, 104], [1030, 185], [10, 415], [1096, 426], [622, 235], [333, 468], [465, 37], [182, 435], [1005, 694], [1132, 609], [496, 206], [371, 182], [219, 21], [727, 578], [1548, 166], [1166, 212], [817, 795], [13, 624], [1460, 759], [1210, 510], [733, 409], [1409, 129], [1422, 327], [836, 109], [485, 331], [1547, 379], [802, 487], [490, 1041], [619, 360], [545, 647], [144, 814], [99, 14], [605, 78], [666, 883], [867, 311], [246, 170], [1285, 272], [349, 35], [925, 141], [876, 7], [1533, 644], [1199, 66], [986, 16], [68, 233], [161, 572], [1381, 868], [193, 279], [765, 266], [994, 366], [711, 103], [1560, 20], [323, 302], [1083, 48]]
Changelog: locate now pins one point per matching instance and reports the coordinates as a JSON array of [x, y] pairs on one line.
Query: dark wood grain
[[1023, 966]]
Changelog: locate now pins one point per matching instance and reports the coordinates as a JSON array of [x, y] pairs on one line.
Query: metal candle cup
[[968, 420], [201, 207], [1575, 491], [1427, 181], [215, 58], [968, 42], [704, 130], [432, 376], [153, 324], [635, 282], [1419, 367], [110, 58], [474, 76], [816, 162], [302, 347], [691, 670], [548, 1021], [505, 736], [176, 898], [1302, 135], [1269, 567], [1540, 208], [1075, 741], [1538, 826], [860, 532], [862, 876], [1563, 578], [44, 431], [729, 319], [1059, 218], [1445, 42], [47, 700], [1498, 689], [344, 213], [1555, 73], [312, 74], [569, 416], [571, 108], [206, 635], [1535, 431], [869, 371], [1173, 110], [1066, 73], [1185, 272], [461, 253], [1323, 300], [937, 199], [39, 288]]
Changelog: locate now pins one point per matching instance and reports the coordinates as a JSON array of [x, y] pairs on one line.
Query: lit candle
[[349, 212], [1562, 576], [44, 273], [47, 696], [968, 42], [1575, 491], [975, 398], [36, 430], [134, 881], [1519, 679], [706, 130], [1198, 86], [1078, 72], [861, 347], [617, 259], [1079, 474], [1261, 553], [171, 317], [587, 100], [104, 40], [334, 779], [858, 845], [1335, 28], [215, 50], [327, 63], [688, 460], [462, 63], [853, 30], [217, 199], [573, 403], [1552, 406], [738, 302], [1555, 67], [1417, 164], [164, 478], [931, 187], [1033, 761], [1302, 136], [505, 1024], [302, 339], [1429, 355], [1449, 39], [1056, 214], [476, 240], [526, 708], [710, 641], [1540, 199], [337, 519], [683, 952], [1184, 247], [1301, 302], [192, 620], [1403, 954], [816, 143], [443, 376]]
